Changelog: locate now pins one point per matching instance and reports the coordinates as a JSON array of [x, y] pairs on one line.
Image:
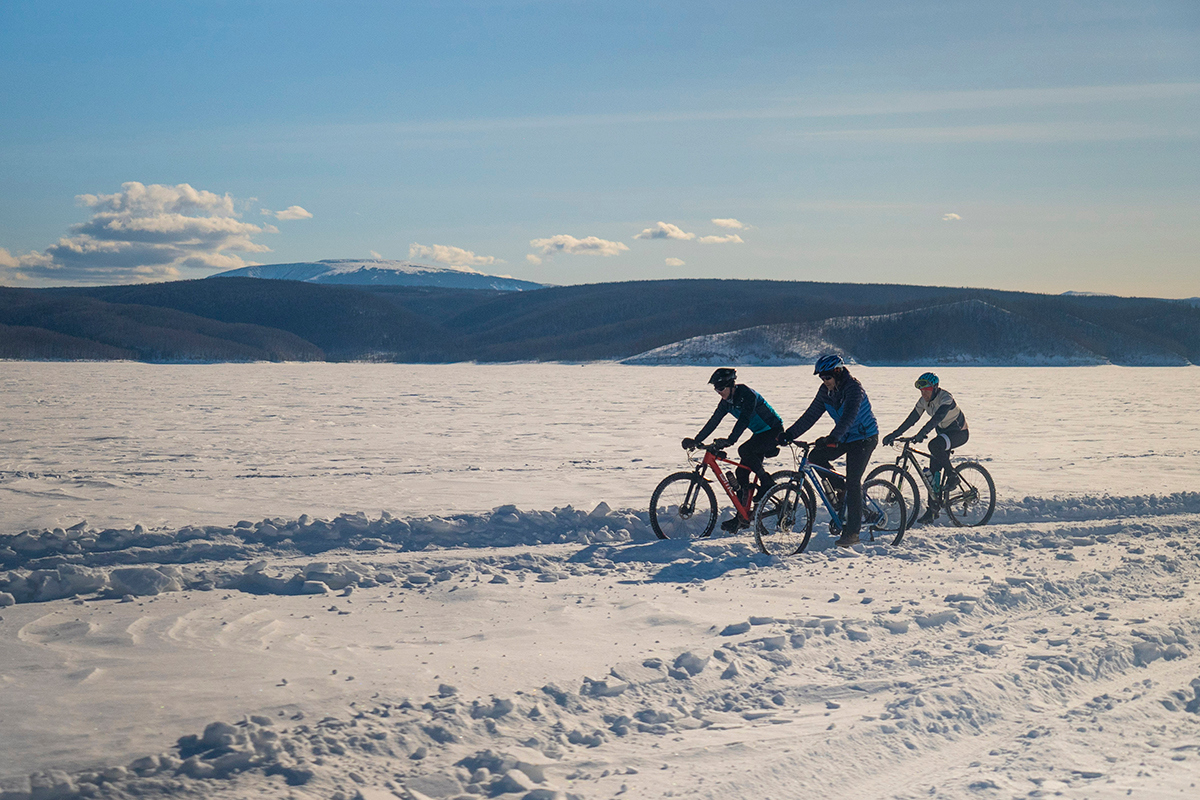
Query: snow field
[[1034, 656]]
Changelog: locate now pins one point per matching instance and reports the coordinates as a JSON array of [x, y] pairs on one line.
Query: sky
[[1036, 146]]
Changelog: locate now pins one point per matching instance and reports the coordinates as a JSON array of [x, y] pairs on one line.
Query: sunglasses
[[827, 375]]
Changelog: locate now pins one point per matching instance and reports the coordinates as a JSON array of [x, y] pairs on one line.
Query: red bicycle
[[684, 505]]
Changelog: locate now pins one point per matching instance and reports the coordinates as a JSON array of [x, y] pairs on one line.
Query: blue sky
[[1046, 146]]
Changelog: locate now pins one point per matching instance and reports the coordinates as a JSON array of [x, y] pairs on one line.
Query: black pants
[[939, 450], [752, 452], [858, 455]]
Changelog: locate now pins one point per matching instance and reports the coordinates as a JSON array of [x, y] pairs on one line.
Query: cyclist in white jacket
[[951, 425]]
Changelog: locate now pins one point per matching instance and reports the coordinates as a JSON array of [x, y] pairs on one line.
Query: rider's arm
[[747, 403], [808, 418], [713, 421], [913, 416]]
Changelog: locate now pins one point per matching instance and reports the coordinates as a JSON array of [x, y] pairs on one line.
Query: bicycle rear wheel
[[783, 521], [973, 501], [904, 481], [884, 512], [683, 507]]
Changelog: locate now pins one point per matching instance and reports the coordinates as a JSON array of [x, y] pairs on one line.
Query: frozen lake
[[426, 656], [171, 445]]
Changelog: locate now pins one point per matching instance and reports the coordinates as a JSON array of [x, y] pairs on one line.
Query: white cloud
[[147, 233], [564, 243], [292, 212], [729, 223], [665, 230], [376, 256], [732, 238], [451, 256], [675, 262], [950, 217], [532, 259]]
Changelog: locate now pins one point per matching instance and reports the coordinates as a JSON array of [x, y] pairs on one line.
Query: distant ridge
[[381, 272], [969, 332], [669, 322]]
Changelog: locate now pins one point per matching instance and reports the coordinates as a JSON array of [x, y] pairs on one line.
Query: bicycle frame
[[909, 455], [812, 472], [713, 461]]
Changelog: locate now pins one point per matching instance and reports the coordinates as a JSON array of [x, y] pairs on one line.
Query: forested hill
[[236, 319]]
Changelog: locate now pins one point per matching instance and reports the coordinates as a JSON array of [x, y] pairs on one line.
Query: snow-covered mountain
[[969, 332], [381, 273]]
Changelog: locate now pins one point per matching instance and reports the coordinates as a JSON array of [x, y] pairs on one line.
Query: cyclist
[[951, 424], [752, 412], [855, 435]]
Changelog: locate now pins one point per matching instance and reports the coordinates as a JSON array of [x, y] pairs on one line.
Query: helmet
[[926, 381], [723, 376], [828, 363]]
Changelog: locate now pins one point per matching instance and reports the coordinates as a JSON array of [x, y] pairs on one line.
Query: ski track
[[1047, 655]]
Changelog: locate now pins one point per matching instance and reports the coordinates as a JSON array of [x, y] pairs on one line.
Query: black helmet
[[828, 363], [723, 377]]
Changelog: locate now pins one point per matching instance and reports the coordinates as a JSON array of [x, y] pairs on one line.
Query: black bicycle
[[969, 502], [783, 520]]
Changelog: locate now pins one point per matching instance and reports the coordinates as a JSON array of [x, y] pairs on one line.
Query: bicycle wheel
[[973, 500], [906, 483], [683, 507], [884, 512], [783, 521]]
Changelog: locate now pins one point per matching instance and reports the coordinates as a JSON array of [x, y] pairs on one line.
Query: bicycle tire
[[973, 501], [677, 507], [885, 515], [903, 480], [783, 521]]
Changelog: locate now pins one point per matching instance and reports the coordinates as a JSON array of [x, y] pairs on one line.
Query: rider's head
[[928, 384], [724, 378], [830, 367]]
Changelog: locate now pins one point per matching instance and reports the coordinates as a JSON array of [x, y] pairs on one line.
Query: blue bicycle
[[783, 521]]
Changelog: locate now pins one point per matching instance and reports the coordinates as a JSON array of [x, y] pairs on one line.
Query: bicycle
[[684, 505], [783, 521], [969, 503]]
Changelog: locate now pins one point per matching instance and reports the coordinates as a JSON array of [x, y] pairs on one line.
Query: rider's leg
[[751, 454], [858, 456], [939, 451]]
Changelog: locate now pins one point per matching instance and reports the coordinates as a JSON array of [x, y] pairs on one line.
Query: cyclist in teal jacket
[[754, 412]]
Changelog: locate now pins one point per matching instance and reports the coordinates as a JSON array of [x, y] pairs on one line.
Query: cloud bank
[[289, 213], [451, 256], [146, 233], [732, 238], [665, 230], [565, 243], [729, 223]]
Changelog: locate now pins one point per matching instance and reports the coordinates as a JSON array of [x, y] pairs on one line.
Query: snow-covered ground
[[485, 627]]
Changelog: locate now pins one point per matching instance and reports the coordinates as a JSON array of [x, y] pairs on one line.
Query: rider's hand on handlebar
[[690, 444], [783, 439], [888, 439], [919, 437], [825, 441], [721, 444]]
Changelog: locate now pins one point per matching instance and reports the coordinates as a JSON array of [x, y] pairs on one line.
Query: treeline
[[235, 319]]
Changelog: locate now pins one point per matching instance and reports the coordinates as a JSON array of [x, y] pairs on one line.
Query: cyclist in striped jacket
[[951, 424], [854, 435]]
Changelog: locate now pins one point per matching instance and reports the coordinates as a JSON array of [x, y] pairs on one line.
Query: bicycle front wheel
[[884, 512], [683, 507], [904, 481], [973, 501], [783, 521]]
